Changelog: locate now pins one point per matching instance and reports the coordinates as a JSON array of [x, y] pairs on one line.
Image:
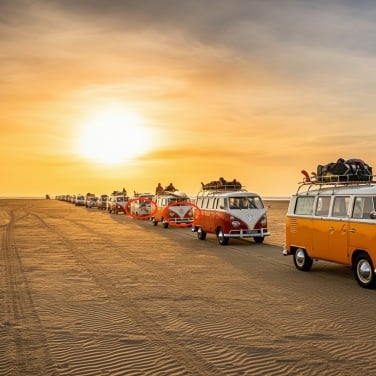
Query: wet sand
[[84, 292]]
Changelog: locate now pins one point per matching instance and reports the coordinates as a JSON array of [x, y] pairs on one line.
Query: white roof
[[366, 189], [226, 194]]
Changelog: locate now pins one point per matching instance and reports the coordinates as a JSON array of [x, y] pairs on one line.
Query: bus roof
[[349, 189], [226, 193]]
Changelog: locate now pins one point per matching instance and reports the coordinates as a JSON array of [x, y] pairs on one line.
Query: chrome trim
[[247, 233]]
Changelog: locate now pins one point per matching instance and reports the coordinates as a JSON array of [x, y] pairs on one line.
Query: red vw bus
[[228, 211]]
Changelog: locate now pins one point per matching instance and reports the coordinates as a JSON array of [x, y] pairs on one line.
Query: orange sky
[[252, 90]]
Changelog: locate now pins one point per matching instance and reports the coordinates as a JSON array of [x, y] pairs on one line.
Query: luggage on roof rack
[[355, 170], [222, 185]]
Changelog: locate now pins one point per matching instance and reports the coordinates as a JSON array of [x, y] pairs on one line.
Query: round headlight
[[235, 224]]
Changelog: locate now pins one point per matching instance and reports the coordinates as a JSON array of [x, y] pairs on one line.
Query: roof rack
[[334, 181], [222, 187], [214, 190]]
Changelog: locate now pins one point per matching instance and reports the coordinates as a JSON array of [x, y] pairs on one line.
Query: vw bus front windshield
[[178, 199], [249, 202]]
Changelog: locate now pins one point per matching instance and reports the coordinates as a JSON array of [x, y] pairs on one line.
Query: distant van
[[141, 205], [231, 213], [173, 208], [335, 223], [116, 203]]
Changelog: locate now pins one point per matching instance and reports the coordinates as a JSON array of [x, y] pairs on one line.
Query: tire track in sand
[[23, 346]]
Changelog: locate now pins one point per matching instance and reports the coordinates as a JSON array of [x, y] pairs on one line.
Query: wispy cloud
[[280, 82]]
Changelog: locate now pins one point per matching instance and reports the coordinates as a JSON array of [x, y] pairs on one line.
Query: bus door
[[362, 234], [330, 229], [206, 213], [321, 225], [212, 214], [338, 230]]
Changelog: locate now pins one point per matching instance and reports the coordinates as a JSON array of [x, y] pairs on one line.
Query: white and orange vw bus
[[230, 212], [173, 208], [141, 205], [336, 223]]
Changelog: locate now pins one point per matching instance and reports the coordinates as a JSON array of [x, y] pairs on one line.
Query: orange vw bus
[[337, 223]]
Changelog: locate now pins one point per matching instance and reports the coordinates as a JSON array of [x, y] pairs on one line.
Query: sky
[[100, 95]]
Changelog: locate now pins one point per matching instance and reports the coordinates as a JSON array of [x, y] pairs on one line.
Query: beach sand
[[84, 292]]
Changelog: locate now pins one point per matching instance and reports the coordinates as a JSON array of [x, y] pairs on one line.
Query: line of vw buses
[[226, 211], [329, 221]]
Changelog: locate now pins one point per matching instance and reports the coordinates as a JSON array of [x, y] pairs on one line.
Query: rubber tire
[[302, 261], [222, 240], [363, 261], [201, 234], [154, 222], [165, 224], [259, 239]]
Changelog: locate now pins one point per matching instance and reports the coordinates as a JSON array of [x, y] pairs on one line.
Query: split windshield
[[250, 202], [178, 199]]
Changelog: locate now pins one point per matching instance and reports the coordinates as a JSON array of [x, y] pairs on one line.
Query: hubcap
[[300, 257], [364, 271]]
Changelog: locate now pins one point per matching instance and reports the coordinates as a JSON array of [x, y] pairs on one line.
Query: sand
[[84, 292]]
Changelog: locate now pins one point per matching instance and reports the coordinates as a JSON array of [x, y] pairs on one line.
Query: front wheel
[[201, 234], [222, 239], [165, 224], [364, 271], [302, 261], [259, 239]]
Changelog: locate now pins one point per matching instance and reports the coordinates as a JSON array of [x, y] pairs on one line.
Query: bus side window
[[203, 202], [199, 202], [215, 206], [207, 206], [368, 207], [304, 205], [322, 207], [225, 203], [358, 207], [362, 207], [220, 203], [340, 206]]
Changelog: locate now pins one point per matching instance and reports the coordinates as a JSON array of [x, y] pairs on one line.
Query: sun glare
[[114, 135]]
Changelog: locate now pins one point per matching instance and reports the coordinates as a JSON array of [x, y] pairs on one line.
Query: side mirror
[[372, 214]]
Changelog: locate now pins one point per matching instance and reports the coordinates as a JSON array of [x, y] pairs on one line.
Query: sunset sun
[[114, 135]]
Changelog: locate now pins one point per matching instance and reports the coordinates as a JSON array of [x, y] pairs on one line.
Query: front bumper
[[247, 233]]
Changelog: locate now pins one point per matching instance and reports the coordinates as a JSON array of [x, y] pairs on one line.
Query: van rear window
[[304, 205]]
